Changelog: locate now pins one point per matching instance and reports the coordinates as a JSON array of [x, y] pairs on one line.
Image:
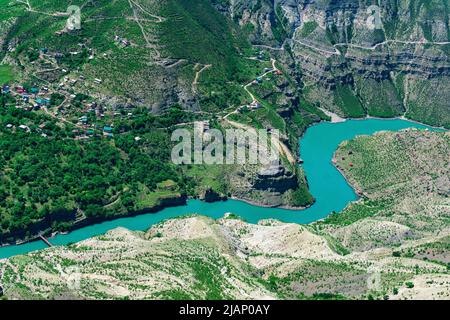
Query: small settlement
[[61, 96]]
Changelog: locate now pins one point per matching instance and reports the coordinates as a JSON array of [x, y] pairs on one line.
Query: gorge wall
[[387, 58]]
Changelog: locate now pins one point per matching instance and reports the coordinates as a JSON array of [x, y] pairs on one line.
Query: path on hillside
[[197, 76], [56, 14], [327, 52], [135, 7], [30, 9], [159, 19], [268, 47], [61, 119], [281, 48], [252, 96], [374, 47], [179, 61], [371, 48], [144, 34], [135, 17], [274, 69], [281, 147]]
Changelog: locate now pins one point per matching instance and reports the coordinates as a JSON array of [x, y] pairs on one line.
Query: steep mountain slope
[[146, 52], [343, 60], [399, 67]]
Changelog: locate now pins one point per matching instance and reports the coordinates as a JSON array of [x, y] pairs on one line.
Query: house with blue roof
[[42, 101]]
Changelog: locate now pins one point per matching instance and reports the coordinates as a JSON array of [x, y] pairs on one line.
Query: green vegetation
[[387, 169], [381, 98], [173, 295], [301, 197], [356, 212], [435, 252], [208, 279], [279, 30], [53, 175], [6, 74], [196, 32], [308, 28], [46, 178], [431, 104], [201, 177], [301, 283], [346, 100]]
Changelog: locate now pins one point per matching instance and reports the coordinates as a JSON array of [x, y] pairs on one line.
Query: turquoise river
[[328, 186]]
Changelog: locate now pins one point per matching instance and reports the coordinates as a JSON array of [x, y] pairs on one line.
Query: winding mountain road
[[197, 76], [281, 147]]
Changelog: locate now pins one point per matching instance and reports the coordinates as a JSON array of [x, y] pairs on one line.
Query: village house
[[254, 105], [19, 89], [84, 119], [122, 41], [34, 90], [24, 127], [43, 101], [5, 88]]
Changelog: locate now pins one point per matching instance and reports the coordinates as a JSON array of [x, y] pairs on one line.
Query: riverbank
[[328, 186], [257, 204], [405, 119], [335, 118], [50, 233], [224, 199]]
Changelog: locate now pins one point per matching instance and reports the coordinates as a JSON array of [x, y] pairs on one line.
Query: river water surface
[[327, 185]]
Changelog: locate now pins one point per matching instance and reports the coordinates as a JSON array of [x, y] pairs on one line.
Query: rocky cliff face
[[358, 58]]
